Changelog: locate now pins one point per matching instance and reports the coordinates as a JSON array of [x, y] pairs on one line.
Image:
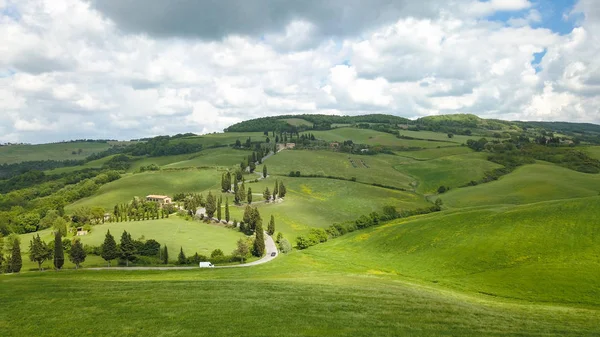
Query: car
[[206, 265], [273, 254]]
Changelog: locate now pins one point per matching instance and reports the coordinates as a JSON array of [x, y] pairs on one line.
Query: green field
[[297, 122], [451, 171], [594, 151], [438, 136], [527, 184], [158, 182], [316, 202], [371, 137], [435, 152], [223, 139], [221, 157], [59, 151], [379, 168]]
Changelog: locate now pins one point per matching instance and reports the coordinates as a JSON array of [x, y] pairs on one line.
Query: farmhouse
[[334, 144], [161, 199], [81, 231]]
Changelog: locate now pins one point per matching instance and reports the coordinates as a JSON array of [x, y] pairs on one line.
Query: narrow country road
[[270, 247]]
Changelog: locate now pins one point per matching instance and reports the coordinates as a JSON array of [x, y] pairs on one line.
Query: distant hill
[[310, 122]]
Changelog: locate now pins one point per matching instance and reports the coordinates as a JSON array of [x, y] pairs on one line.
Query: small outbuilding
[[161, 199]]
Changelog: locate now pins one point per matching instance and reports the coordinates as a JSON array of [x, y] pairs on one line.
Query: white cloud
[[67, 71]]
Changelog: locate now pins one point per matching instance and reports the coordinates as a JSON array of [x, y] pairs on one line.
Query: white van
[[206, 265]]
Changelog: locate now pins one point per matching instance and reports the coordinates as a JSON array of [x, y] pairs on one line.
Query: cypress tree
[[38, 251], [77, 254], [227, 210], [243, 190], [59, 253], [249, 195], [109, 248], [181, 259], [211, 205], [127, 250], [165, 255], [264, 171], [267, 194], [271, 227], [276, 190], [259, 242], [282, 190], [16, 263], [219, 210]]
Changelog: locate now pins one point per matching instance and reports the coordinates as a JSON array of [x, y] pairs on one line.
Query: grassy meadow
[[450, 171], [367, 169], [156, 182], [527, 184], [57, 151], [519, 256]]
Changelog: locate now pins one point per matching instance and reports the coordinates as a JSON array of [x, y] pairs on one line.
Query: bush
[[217, 253], [285, 246]]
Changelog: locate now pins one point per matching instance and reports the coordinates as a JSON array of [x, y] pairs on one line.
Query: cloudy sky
[[131, 68]]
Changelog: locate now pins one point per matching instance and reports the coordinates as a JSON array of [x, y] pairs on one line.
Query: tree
[[165, 255], [279, 237], [181, 259], [109, 248], [275, 190], [211, 205], [271, 227], [127, 248], [217, 253], [219, 209], [243, 190], [1, 252], [15, 262], [77, 254], [227, 210], [59, 251], [450, 135], [282, 190], [259, 242], [249, 195], [265, 171], [267, 194], [38, 251], [285, 246], [252, 167], [242, 250], [442, 189]]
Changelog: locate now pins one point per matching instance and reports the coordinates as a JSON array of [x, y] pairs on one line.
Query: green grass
[[594, 151], [59, 151], [221, 157], [220, 139], [527, 184], [371, 137], [315, 202], [451, 171], [435, 152], [380, 167], [94, 164], [459, 139], [545, 252], [298, 122], [174, 232], [142, 184], [295, 295]]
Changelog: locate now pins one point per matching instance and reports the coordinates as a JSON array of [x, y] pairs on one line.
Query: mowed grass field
[[300, 294], [459, 139], [451, 171], [544, 252], [435, 152], [157, 182], [58, 151], [221, 139], [527, 184], [174, 232], [594, 151], [317, 202], [369, 169], [372, 137]]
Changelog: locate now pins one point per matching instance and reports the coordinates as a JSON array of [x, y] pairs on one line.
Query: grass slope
[[298, 122], [142, 184], [435, 152], [459, 139], [527, 184], [594, 151], [380, 167], [221, 157], [451, 171], [547, 252], [59, 151], [315, 202], [371, 137]]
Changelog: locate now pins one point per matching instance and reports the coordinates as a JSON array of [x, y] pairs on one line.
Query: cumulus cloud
[[130, 69]]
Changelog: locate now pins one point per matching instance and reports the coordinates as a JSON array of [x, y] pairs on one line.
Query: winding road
[[270, 247]]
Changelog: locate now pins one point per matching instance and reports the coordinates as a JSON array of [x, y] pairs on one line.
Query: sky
[[123, 69]]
